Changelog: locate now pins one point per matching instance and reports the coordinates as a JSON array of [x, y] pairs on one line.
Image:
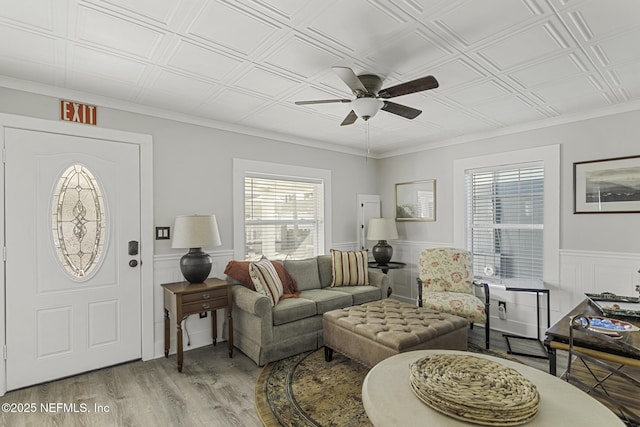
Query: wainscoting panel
[[580, 272], [167, 270], [596, 272]]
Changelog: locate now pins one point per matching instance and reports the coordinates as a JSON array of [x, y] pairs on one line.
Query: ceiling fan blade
[[322, 101], [349, 77], [401, 110], [418, 85], [350, 119]]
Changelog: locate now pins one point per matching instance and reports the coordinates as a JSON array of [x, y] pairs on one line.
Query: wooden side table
[[183, 299]]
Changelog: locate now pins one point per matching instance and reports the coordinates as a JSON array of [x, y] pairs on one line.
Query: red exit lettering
[[76, 112]]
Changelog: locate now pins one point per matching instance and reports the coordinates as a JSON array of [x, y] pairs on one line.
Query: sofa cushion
[[325, 268], [292, 309], [360, 294], [326, 300], [305, 273], [265, 279], [349, 268]]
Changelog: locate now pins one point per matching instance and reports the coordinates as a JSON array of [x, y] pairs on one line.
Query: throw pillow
[[349, 268], [239, 270], [289, 284], [265, 279]]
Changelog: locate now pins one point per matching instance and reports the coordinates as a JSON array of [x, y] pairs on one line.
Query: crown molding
[[511, 130], [106, 102], [131, 107]]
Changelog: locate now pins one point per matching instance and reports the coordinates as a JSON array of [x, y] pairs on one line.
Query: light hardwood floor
[[212, 390]]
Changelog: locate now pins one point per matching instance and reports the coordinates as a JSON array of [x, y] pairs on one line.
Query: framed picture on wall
[[416, 201], [607, 185]]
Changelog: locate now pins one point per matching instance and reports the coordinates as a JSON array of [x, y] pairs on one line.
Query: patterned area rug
[[304, 390]]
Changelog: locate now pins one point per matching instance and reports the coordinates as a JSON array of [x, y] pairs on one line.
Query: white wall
[[193, 174], [588, 242]]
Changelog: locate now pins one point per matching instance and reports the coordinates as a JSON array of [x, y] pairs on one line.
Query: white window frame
[[549, 157], [243, 168]]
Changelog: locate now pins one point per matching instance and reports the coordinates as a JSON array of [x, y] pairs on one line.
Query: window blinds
[[283, 217], [506, 222]]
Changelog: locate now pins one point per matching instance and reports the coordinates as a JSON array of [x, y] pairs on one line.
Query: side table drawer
[[204, 295], [200, 306]]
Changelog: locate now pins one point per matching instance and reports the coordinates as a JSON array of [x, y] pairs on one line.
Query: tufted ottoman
[[374, 331]]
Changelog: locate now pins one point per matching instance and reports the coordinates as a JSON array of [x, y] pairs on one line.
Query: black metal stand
[[507, 337]]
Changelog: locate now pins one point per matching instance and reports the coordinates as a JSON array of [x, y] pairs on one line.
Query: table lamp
[[382, 229], [195, 232]]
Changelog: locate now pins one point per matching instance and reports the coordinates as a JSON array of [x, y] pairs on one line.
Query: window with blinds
[[506, 223], [283, 217]]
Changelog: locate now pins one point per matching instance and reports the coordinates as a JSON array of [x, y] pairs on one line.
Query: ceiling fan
[[367, 102]]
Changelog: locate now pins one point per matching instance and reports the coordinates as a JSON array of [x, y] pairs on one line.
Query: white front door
[[73, 300]]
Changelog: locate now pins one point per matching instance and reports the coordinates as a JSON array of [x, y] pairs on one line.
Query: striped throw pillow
[[349, 268], [265, 278]]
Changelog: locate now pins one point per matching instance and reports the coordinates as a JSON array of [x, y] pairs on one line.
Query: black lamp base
[[195, 265], [382, 252]]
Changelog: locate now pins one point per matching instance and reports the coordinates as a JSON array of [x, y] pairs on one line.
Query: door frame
[[145, 143]]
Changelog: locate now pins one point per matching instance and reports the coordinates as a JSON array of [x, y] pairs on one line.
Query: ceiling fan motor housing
[[371, 82]]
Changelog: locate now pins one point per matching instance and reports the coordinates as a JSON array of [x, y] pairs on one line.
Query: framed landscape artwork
[[416, 201], [607, 186]]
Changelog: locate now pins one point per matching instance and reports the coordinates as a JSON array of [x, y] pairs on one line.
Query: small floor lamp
[[195, 232], [382, 229]]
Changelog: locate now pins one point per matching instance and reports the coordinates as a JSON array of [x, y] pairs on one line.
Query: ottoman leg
[[328, 354]]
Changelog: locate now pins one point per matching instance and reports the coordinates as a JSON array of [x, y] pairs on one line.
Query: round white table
[[389, 400]]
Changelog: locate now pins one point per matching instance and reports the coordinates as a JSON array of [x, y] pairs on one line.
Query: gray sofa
[[294, 325]]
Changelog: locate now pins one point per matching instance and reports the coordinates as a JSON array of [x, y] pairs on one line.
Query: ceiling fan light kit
[[365, 108], [367, 92]]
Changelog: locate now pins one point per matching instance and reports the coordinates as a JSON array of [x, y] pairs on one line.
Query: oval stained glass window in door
[[78, 221]]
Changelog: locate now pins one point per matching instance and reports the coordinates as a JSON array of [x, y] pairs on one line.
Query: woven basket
[[474, 389]]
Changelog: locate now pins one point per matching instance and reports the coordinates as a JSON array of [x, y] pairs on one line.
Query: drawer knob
[[206, 306], [206, 296]]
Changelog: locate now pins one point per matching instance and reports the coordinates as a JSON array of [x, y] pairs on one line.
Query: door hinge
[[4, 253], [4, 155], [4, 352]]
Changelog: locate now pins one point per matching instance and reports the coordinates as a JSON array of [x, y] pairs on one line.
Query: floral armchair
[[445, 283]]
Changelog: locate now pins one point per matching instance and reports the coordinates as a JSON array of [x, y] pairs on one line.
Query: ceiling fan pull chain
[[367, 136]]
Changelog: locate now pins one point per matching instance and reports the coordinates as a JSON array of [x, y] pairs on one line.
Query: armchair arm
[[487, 305], [250, 301], [485, 287], [378, 279]]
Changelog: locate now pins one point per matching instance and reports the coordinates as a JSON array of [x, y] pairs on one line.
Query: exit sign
[[76, 112]]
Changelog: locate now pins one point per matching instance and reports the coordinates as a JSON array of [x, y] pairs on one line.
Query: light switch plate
[[163, 233]]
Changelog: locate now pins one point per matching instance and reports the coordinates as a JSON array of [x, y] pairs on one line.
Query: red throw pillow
[[289, 284], [239, 270]]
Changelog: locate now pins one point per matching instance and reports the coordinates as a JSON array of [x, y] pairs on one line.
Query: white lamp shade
[[382, 229], [195, 231], [366, 107]]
